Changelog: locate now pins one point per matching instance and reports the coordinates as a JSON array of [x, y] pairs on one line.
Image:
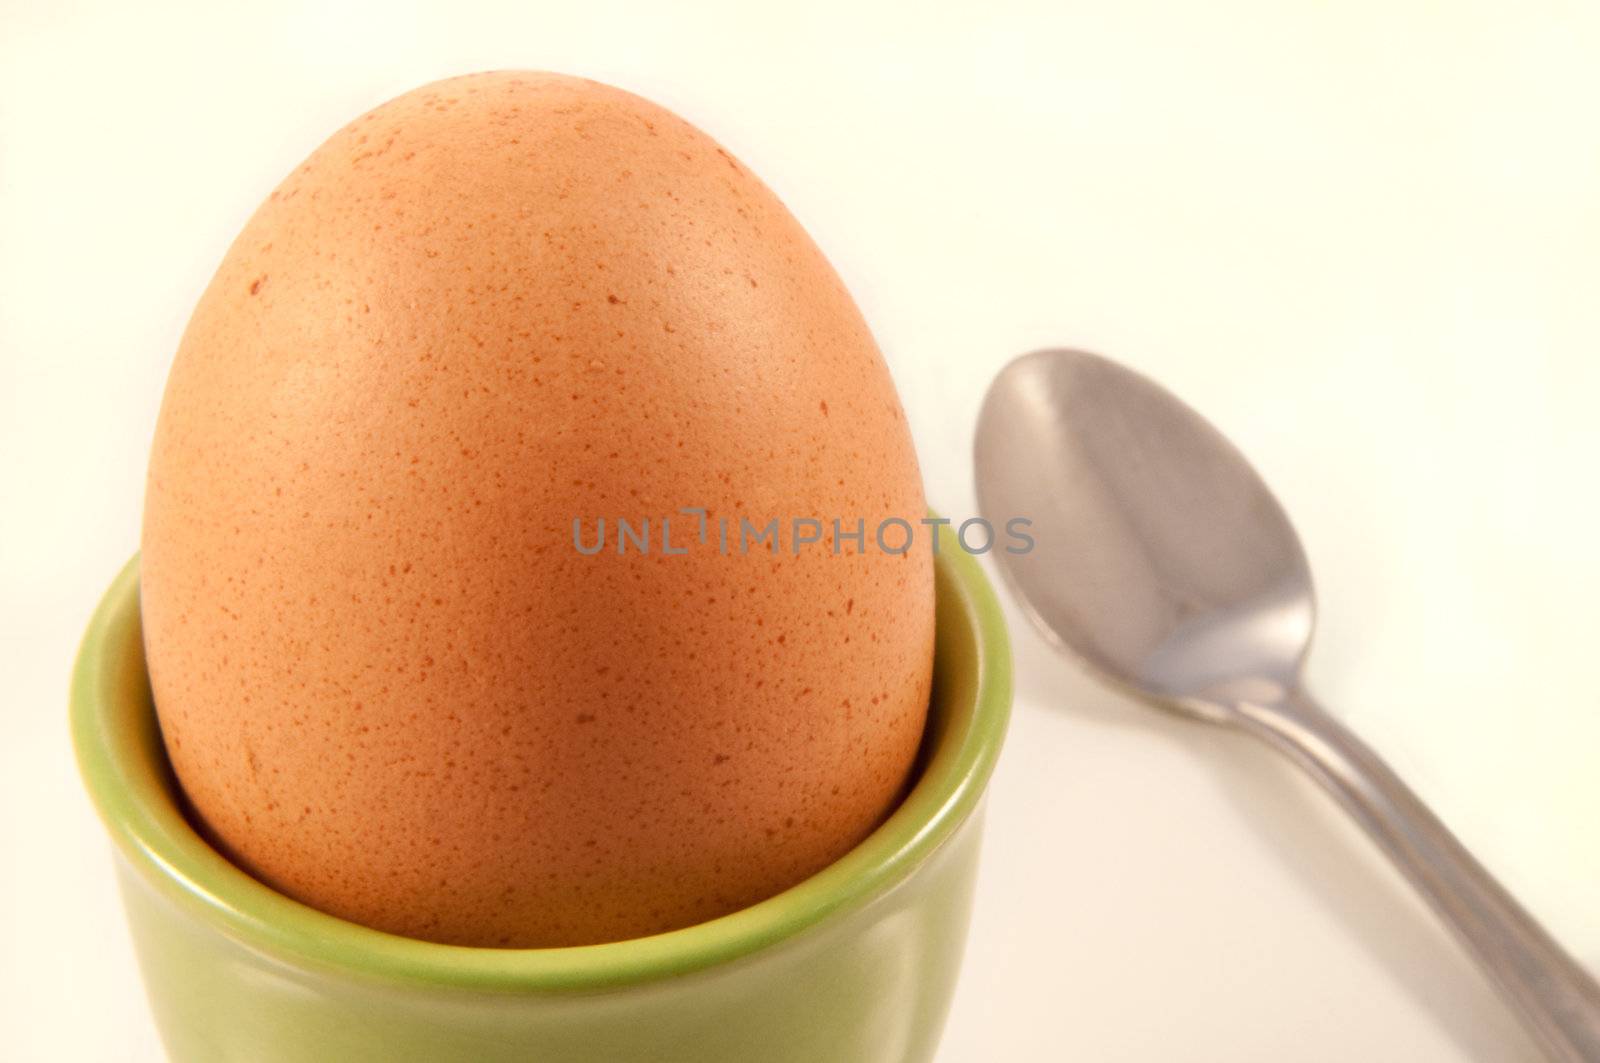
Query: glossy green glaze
[[857, 963]]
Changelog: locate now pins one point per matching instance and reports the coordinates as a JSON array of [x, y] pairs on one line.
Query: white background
[[1363, 237]]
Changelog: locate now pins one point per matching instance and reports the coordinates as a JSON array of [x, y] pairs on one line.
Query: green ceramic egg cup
[[856, 964]]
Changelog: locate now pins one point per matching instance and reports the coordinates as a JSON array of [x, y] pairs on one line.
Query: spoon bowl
[[1167, 564]]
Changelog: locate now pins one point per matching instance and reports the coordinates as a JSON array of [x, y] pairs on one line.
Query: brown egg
[[391, 684]]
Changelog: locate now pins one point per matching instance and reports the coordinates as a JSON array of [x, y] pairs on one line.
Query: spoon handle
[[1554, 996]]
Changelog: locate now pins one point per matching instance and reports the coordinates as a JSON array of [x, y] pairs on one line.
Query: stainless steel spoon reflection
[[1162, 560]]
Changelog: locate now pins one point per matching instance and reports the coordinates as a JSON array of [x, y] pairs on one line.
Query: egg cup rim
[[124, 766]]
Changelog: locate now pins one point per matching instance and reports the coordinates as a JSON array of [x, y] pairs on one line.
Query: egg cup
[[856, 964]]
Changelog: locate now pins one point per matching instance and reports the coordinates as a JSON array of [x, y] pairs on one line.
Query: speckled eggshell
[[389, 684]]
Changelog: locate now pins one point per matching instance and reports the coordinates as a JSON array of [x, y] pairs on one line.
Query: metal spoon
[[1162, 559]]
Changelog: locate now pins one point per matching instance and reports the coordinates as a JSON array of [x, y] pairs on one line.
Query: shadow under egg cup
[[856, 964]]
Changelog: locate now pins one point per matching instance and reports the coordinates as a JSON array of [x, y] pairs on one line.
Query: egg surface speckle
[[391, 684]]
